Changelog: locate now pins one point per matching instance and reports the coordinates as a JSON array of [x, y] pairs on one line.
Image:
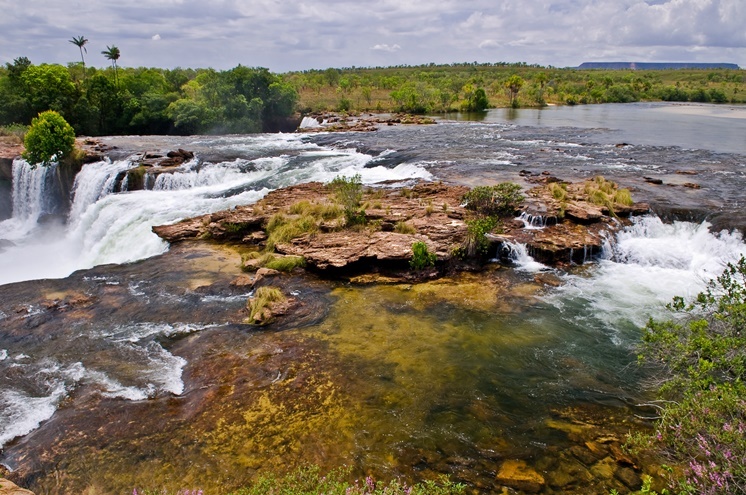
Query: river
[[126, 364]]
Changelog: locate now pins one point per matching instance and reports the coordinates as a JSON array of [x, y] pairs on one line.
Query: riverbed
[[127, 364]]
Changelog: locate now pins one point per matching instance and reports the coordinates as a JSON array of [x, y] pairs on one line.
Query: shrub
[[476, 235], [421, 257], [50, 138], [702, 351], [348, 191], [501, 199]]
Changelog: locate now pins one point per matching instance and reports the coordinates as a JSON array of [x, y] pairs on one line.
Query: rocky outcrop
[[334, 122], [10, 488], [573, 229]]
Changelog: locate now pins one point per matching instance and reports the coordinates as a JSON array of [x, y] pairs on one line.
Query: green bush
[[501, 199], [421, 257], [476, 235], [348, 191], [702, 352], [50, 138]]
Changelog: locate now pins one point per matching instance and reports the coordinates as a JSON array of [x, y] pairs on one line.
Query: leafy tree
[[49, 87], [513, 85], [50, 138], [112, 53], [80, 42]]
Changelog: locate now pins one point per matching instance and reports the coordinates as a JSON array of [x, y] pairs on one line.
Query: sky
[[285, 35]]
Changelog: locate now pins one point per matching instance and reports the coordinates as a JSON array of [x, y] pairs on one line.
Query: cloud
[[287, 36], [386, 48], [156, 37]]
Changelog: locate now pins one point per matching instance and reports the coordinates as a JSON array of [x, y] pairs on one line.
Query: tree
[[50, 138], [112, 53], [80, 42], [513, 85]]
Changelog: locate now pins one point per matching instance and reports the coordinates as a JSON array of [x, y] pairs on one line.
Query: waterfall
[[518, 254], [31, 190], [94, 182]]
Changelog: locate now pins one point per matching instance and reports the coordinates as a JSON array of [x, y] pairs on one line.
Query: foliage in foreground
[[309, 481], [50, 138], [702, 423]]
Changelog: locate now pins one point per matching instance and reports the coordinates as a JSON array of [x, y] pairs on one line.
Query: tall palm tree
[[80, 42], [112, 53]]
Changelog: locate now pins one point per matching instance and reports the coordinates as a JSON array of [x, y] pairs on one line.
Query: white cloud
[[337, 33], [386, 48]]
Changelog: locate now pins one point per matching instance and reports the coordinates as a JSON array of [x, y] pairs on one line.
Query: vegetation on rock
[[421, 257], [50, 138], [260, 304], [348, 191], [702, 417], [500, 199]]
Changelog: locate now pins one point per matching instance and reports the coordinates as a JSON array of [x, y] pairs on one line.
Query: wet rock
[[586, 213], [691, 185], [651, 180], [604, 469], [517, 474], [262, 274], [568, 472], [9, 488], [629, 477]]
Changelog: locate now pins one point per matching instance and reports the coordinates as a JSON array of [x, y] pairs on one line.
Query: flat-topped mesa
[[308, 221]]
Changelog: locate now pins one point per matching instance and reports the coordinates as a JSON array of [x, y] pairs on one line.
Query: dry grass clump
[[403, 227], [259, 305], [604, 192]]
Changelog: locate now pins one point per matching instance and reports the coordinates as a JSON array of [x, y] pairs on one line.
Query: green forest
[[118, 100]]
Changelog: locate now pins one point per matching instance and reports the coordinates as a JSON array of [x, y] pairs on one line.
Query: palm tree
[[112, 53], [80, 42]]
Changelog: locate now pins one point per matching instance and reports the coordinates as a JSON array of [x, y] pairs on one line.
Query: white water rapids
[[116, 228]]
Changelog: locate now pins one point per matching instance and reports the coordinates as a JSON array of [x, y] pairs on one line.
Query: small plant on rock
[[260, 304], [501, 199], [476, 235], [348, 191], [421, 257]]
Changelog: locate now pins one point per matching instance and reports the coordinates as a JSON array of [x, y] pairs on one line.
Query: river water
[[137, 371]]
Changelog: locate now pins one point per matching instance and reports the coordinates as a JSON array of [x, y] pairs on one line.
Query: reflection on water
[[720, 128]]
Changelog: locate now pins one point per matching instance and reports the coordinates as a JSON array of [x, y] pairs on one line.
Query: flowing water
[[141, 374]]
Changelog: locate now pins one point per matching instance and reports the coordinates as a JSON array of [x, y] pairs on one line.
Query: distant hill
[[654, 65]]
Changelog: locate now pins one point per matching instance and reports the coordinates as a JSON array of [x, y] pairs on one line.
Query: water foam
[[647, 264]]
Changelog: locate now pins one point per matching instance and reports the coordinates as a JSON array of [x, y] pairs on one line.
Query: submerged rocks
[[518, 475]]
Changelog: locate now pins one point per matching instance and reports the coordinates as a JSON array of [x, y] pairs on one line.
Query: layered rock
[[572, 230]]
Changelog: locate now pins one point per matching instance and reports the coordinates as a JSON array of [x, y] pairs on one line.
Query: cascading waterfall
[[95, 181], [31, 190]]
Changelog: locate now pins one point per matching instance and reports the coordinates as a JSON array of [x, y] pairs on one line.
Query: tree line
[[453, 87], [119, 100]]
